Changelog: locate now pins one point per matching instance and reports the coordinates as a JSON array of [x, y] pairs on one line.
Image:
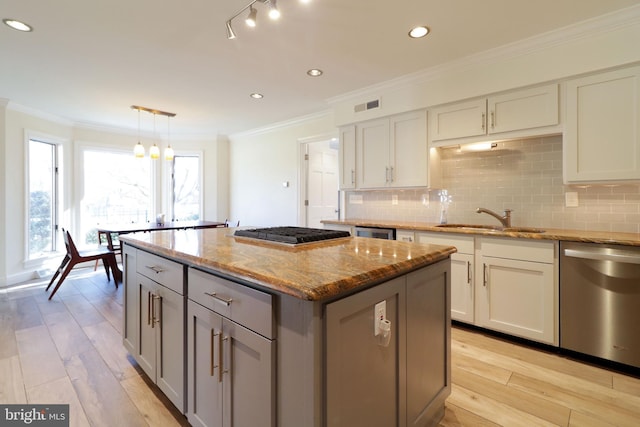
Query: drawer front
[[161, 270], [522, 249], [464, 244], [249, 307]]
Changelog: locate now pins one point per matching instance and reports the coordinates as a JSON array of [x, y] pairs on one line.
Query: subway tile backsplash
[[523, 175]]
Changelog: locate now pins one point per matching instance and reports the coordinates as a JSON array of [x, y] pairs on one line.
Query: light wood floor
[[69, 350]]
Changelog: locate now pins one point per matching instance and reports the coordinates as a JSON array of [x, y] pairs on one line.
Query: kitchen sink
[[481, 227]]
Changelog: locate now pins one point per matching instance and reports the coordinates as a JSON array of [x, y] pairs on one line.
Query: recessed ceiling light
[[17, 25], [256, 95], [314, 72], [417, 32]]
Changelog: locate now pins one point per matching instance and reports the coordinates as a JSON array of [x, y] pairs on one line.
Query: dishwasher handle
[[607, 254]]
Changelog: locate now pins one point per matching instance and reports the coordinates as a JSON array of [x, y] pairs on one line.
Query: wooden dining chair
[[229, 223], [74, 256]]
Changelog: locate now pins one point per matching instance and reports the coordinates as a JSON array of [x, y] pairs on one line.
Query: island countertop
[[313, 271]]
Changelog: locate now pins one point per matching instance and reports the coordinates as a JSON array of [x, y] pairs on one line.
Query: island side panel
[[299, 362]]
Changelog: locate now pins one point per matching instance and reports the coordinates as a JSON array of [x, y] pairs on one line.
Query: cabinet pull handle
[[484, 275], [155, 268], [149, 309], [386, 174], [483, 120], [493, 121], [468, 272], [212, 365], [215, 296], [391, 174], [155, 320], [221, 370], [353, 176]]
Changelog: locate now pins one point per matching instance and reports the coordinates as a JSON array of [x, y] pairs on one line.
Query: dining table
[[109, 230]]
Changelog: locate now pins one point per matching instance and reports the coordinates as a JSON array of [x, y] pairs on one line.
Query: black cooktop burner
[[292, 235]]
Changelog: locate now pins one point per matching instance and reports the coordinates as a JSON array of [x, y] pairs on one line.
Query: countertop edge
[[602, 237], [330, 290]]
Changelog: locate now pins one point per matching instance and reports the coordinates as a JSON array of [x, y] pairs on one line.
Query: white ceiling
[[89, 61]]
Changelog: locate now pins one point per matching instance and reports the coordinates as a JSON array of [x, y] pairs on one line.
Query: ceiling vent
[[367, 106]]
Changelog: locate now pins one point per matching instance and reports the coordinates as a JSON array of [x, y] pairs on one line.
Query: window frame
[[58, 194], [169, 182]]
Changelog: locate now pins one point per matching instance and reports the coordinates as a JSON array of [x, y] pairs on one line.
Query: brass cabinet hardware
[[225, 301]]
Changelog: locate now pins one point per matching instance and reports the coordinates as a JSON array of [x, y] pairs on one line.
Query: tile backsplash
[[522, 175]]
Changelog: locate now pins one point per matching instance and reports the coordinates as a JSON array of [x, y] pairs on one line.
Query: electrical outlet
[[379, 314], [571, 199]]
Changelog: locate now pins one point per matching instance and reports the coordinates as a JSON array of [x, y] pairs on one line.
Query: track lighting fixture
[[250, 20]]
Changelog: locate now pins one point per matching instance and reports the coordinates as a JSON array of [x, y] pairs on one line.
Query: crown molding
[[283, 124], [38, 113], [623, 18]]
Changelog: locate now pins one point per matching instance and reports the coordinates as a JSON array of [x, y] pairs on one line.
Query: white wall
[[260, 162]]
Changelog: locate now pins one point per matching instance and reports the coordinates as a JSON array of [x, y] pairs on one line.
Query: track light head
[[230, 34], [251, 19], [274, 13]]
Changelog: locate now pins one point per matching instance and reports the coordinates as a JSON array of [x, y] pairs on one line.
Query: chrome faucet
[[505, 220]]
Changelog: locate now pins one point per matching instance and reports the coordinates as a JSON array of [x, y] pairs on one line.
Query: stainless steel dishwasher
[[600, 301]]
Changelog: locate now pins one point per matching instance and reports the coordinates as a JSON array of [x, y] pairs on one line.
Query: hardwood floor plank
[[108, 342], [519, 399], [529, 368], [26, 316], [110, 310], [60, 392], [492, 410], [548, 360], [67, 334], [151, 405], [9, 346], [39, 357], [472, 365], [104, 400], [595, 402], [82, 310], [626, 384], [455, 416], [578, 419], [11, 382]]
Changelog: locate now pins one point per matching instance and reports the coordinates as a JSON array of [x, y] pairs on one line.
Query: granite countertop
[[313, 271], [630, 239]]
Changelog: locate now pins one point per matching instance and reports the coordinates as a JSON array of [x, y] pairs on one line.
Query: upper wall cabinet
[[520, 113], [602, 131], [392, 152], [347, 156]]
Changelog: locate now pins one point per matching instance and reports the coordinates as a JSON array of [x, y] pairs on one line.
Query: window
[[42, 198], [117, 190], [185, 188]]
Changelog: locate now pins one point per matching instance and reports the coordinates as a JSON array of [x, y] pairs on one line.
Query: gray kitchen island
[[240, 332]]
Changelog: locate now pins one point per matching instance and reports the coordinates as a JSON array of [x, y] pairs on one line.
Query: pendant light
[[168, 152], [154, 151], [138, 150]]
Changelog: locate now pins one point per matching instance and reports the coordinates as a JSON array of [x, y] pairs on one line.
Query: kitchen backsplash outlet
[[523, 175]]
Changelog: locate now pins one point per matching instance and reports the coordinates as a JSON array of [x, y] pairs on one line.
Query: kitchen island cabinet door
[[160, 347], [131, 321], [204, 342], [230, 371]]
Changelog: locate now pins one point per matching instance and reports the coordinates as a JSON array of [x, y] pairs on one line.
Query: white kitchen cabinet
[[159, 305], [519, 113], [602, 133], [462, 272], [517, 288], [392, 152], [405, 236], [231, 354], [347, 157]]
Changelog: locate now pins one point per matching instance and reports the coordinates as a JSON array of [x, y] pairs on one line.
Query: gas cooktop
[[291, 235]]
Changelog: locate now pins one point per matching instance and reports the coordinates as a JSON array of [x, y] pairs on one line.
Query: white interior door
[[322, 183]]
